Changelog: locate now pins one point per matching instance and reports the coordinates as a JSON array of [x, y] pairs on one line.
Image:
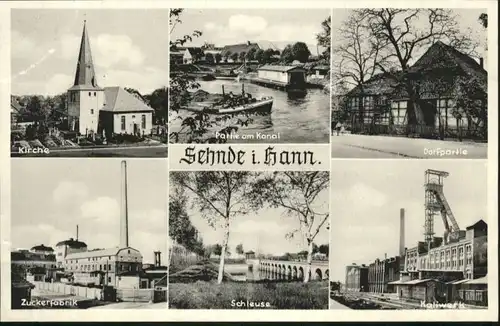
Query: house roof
[[31, 256], [118, 99], [75, 244], [195, 51], [237, 48], [97, 253], [85, 78], [15, 107], [321, 67], [478, 225], [42, 248], [280, 68]]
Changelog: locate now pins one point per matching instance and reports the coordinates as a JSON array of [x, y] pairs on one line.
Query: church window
[[91, 111], [90, 94], [94, 93], [143, 121], [123, 122]]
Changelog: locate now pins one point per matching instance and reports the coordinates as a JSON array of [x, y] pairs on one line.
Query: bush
[[210, 295]]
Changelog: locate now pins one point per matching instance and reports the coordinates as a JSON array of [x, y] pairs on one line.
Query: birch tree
[[219, 196], [299, 193]]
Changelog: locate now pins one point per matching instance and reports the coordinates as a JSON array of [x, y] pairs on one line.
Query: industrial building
[[452, 268], [356, 278], [120, 268]]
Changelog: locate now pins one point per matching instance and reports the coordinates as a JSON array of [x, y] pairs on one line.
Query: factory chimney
[[124, 209], [77, 232], [401, 232]]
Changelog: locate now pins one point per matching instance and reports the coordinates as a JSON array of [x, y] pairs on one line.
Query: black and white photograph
[[250, 76], [89, 83], [89, 234], [248, 240], [411, 237], [409, 83]]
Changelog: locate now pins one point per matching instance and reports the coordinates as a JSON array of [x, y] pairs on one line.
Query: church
[[108, 110]]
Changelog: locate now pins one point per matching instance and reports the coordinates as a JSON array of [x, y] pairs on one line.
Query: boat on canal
[[262, 106]]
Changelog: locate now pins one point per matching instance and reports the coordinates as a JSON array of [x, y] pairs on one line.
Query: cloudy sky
[[51, 196], [262, 231], [45, 45], [232, 26], [367, 197]]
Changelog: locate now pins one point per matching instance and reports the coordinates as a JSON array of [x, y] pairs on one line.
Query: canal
[[295, 119]]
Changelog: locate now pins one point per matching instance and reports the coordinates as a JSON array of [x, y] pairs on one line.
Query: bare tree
[[355, 55], [402, 33], [220, 196], [297, 193]]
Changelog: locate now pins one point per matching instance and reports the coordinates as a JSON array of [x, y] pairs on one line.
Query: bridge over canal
[[292, 270]]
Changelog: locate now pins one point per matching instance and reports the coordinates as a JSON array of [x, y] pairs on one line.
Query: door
[[136, 129]]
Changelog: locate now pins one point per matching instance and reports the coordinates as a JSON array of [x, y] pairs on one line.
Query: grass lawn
[[210, 295]]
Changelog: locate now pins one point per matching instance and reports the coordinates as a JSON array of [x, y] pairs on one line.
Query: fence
[[141, 295], [423, 131], [80, 291]]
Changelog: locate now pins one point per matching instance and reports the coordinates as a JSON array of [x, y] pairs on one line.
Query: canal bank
[[295, 119]]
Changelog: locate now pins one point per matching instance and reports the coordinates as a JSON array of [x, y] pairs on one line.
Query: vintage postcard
[[249, 160], [249, 240], [409, 83], [87, 83], [416, 240], [88, 234]]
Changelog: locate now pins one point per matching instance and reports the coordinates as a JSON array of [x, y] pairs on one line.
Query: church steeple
[[85, 73]]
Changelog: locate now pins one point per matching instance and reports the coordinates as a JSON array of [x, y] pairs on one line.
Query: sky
[[232, 26], [129, 48], [262, 231], [367, 197], [51, 196]]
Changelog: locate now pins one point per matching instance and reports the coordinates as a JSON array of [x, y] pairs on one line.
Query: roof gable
[[440, 55], [237, 48], [118, 99]]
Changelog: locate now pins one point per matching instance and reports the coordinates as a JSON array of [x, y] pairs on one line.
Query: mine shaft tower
[[436, 203]]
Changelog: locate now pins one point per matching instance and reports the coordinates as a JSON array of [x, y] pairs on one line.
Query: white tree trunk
[[309, 260], [223, 254]]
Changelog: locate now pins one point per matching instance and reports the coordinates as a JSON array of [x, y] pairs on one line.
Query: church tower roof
[[85, 74]]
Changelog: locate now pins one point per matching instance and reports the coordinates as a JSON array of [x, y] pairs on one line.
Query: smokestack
[[77, 232], [124, 209], [481, 62], [401, 232]]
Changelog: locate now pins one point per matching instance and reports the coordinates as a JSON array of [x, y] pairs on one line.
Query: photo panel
[[249, 76], [89, 234], [409, 235], [88, 83], [248, 240], [414, 88]]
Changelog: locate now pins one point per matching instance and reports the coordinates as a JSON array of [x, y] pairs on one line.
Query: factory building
[[356, 278]]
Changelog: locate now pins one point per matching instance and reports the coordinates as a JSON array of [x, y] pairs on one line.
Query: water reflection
[[298, 117]]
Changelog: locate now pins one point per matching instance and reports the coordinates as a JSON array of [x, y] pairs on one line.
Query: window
[[143, 121], [123, 122], [105, 267], [94, 93], [398, 109], [90, 93], [91, 111], [109, 279]]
